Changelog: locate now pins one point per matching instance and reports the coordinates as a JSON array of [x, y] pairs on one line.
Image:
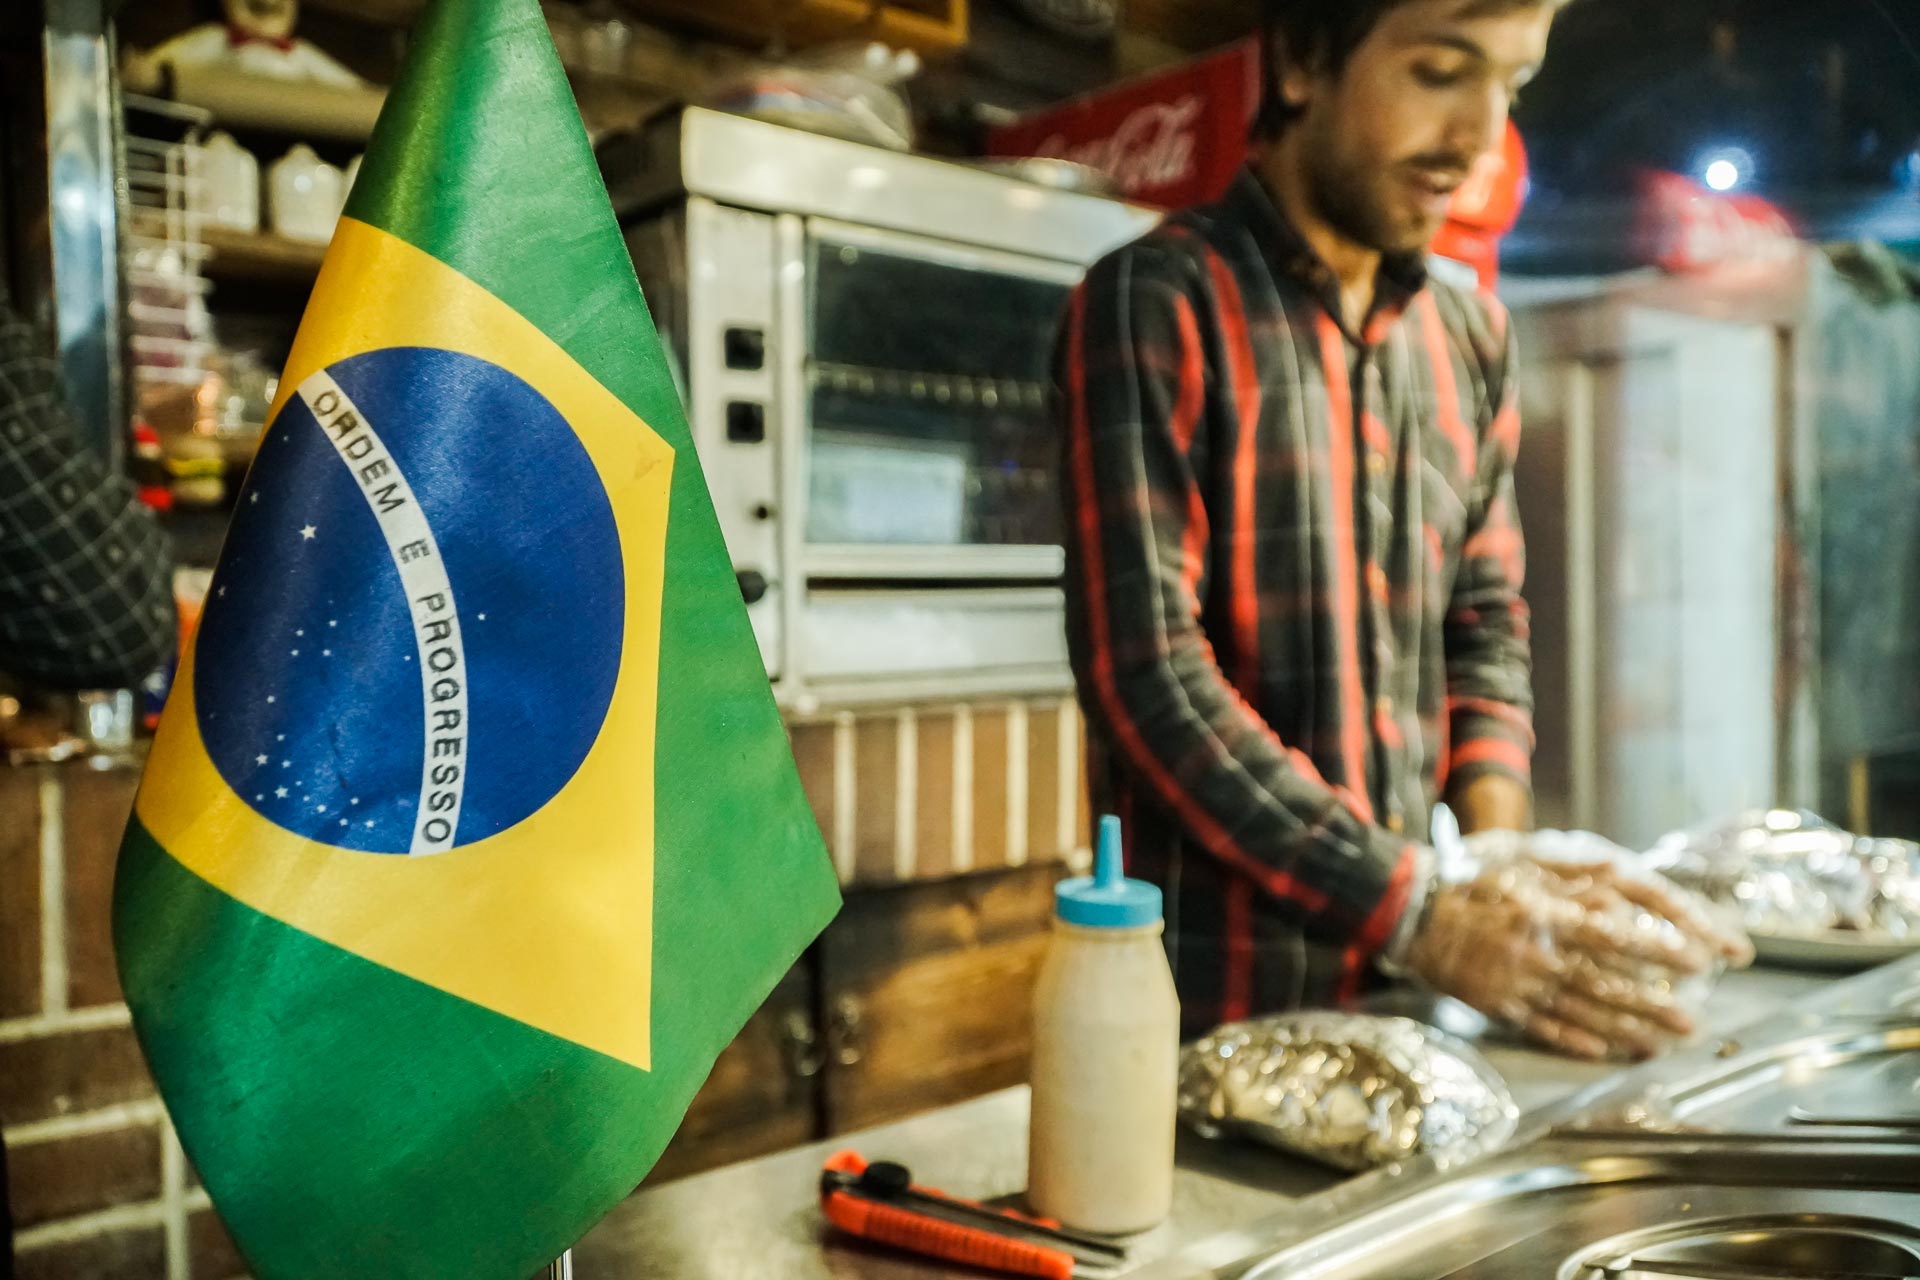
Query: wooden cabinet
[[763, 1093], [917, 996], [949, 826], [927, 990]]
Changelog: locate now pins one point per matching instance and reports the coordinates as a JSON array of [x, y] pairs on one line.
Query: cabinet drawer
[[928, 993], [761, 1095]]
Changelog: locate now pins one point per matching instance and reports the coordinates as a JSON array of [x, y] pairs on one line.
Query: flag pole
[[561, 1268]]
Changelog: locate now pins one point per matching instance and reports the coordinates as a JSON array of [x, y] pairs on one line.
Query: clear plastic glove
[[1609, 878], [1562, 937], [1643, 900]]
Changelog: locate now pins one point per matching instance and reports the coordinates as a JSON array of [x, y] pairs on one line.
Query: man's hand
[[1562, 938], [1604, 882], [1514, 945]]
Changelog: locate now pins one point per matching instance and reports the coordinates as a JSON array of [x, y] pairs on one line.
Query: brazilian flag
[[471, 834]]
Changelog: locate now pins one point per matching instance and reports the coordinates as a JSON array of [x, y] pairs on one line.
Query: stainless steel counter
[[760, 1218]]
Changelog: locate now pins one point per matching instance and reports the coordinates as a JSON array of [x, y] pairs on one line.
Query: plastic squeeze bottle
[[1106, 1040]]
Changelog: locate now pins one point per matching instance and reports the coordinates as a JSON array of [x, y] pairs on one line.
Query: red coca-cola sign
[[1173, 139]]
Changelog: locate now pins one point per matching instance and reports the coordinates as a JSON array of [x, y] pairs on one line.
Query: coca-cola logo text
[[1153, 148]]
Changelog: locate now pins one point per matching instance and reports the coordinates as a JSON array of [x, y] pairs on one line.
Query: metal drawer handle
[[804, 1059], [846, 1032]]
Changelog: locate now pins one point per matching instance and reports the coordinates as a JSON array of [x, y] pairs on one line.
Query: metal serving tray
[[1614, 1209]]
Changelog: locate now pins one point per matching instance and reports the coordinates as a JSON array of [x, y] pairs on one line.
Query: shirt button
[[1376, 463], [1396, 824], [1383, 707]]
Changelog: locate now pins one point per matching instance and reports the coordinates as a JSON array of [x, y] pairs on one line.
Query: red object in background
[[1485, 208], [1176, 139], [149, 475], [1173, 139], [1686, 229]]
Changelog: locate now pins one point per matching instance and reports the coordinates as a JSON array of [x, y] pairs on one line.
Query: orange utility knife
[[879, 1202]]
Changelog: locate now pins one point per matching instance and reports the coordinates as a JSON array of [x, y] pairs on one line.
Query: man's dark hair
[[1323, 34]]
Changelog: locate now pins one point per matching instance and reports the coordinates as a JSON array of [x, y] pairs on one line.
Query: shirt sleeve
[[1489, 654], [1132, 373], [86, 593]]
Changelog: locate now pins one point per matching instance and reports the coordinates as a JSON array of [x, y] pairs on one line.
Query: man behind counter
[[1295, 564]]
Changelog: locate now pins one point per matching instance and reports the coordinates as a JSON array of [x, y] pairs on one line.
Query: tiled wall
[[928, 792], [99, 1187]]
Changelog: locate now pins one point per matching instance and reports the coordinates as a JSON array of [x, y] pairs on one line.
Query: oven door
[[928, 449]]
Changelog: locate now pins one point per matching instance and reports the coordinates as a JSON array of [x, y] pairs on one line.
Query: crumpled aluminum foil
[[1348, 1090], [1789, 874]]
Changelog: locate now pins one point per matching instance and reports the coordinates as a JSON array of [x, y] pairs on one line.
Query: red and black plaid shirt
[[1294, 571]]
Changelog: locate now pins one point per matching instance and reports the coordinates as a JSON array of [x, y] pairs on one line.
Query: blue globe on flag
[[479, 633]]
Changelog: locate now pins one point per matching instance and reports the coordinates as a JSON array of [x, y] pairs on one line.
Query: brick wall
[[946, 789], [99, 1187]]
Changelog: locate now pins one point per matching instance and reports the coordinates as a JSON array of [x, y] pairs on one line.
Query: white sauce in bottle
[[1106, 1040]]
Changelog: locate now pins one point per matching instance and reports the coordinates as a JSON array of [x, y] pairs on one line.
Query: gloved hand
[[1657, 903], [1583, 954], [1614, 881]]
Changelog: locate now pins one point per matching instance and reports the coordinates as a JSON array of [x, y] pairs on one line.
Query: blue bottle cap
[[1107, 899]]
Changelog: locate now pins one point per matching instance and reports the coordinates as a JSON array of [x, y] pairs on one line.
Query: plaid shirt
[[86, 590], [1294, 571]]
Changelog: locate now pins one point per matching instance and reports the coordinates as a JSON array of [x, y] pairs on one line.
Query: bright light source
[[1725, 168], [1723, 175]]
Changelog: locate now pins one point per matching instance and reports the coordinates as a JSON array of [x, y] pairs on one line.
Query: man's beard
[[1350, 198], [1357, 198]]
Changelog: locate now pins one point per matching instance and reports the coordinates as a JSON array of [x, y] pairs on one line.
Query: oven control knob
[[753, 585]]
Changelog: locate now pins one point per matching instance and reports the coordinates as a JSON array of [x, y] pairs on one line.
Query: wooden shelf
[[1188, 26], [927, 26], [238, 100], [261, 257], [385, 13]]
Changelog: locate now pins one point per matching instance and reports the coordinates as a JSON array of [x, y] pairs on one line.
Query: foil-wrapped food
[[1791, 875], [1349, 1090]]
